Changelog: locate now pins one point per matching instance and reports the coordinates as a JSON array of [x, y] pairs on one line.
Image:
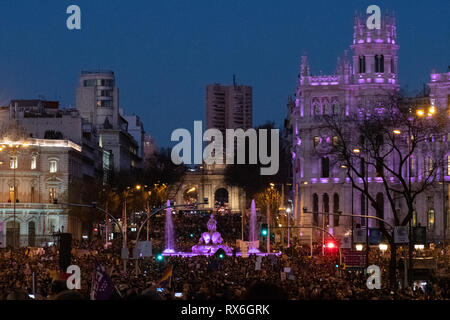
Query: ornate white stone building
[[368, 74], [33, 172]]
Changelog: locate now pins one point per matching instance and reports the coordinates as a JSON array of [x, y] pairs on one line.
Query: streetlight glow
[[396, 131], [356, 150], [359, 247], [420, 112]]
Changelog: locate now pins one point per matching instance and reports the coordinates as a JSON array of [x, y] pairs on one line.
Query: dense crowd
[[200, 277]]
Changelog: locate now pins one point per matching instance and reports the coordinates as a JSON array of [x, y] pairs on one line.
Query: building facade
[[229, 107], [364, 78], [34, 172], [97, 100]]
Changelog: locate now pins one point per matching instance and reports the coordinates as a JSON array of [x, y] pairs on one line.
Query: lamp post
[[288, 211]]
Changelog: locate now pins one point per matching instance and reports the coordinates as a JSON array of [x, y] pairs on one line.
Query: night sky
[[165, 52]]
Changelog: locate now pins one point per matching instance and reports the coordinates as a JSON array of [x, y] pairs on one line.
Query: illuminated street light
[[138, 187], [359, 247], [356, 150], [432, 110], [396, 131], [420, 112]]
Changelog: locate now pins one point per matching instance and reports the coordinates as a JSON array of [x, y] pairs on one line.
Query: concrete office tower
[[228, 107], [97, 100]]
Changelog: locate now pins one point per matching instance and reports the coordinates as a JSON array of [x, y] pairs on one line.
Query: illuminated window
[[414, 219], [335, 141], [33, 162], [13, 162], [448, 165], [53, 166], [52, 194], [431, 219], [379, 63], [430, 164], [11, 194], [316, 141]]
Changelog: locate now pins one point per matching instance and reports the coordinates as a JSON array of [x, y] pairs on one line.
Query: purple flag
[[102, 285]]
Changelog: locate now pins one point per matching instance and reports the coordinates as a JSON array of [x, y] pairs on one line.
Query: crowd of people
[[27, 273]]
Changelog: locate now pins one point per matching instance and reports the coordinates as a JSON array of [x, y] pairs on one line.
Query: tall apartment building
[[229, 107], [97, 100]]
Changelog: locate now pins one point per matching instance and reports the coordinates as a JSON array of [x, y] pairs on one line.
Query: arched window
[[362, 64], [379, 63], [325, 167], [315, 209], [335, 108], [12, 234], [336, 209], [325, 108], [326, 208], [316, 109]]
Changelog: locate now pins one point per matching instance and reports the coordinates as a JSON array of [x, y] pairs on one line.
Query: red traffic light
[[95, 230], [331, 245]]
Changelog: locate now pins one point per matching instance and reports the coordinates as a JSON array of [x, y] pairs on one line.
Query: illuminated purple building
[[364, 77]]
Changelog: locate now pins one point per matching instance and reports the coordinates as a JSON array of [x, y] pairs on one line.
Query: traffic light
[[159, 257], [331, 245], [220, 253], [264, 230]]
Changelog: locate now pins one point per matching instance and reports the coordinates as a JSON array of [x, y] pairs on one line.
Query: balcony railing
[[19, 205]]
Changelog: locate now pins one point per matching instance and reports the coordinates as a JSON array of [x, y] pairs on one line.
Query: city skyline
[[165, 58]]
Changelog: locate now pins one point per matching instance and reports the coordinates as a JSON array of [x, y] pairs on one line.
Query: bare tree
[[380, 144]]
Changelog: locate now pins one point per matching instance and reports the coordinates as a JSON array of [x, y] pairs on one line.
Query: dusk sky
[[164, 53]]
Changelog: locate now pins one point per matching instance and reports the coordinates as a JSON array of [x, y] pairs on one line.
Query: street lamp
[[383, 247], [359, 247]]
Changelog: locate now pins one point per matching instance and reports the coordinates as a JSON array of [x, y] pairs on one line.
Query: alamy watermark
[[73, 22], [258, 147]]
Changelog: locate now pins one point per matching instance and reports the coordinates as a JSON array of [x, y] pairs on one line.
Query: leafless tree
[[382, 143]]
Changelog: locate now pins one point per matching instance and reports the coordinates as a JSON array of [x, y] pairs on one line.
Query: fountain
[[170, 248], [253, 237], [210, 241]]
